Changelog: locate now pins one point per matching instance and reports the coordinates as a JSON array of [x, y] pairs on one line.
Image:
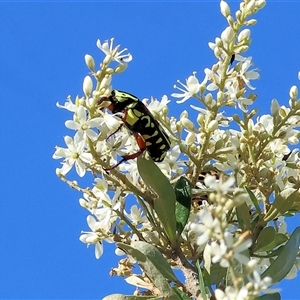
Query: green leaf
[[275, 296], [253, 199], [266, 237], [180, 293], [129, 297], [153, 264], [279, 239], [282, 203], [217, 274], [201, 281], [254, 223], [243, 216], [281, 266], [183, 192], [164, 206]]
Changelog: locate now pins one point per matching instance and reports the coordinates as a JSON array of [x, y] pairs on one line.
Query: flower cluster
[[239, 177]]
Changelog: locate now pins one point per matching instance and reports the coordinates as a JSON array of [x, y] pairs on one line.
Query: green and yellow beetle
[[149, 134]]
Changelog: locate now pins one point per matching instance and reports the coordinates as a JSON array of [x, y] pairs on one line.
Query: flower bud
[[227, 35], [87, 85], [251, 265], [293, 92], [82, 203], [120, 68], [89, 61], [187, 124], [182, 148], [81, 101], [194, 149], [225, 10], [251, 22], [242, 49], [230, 21], [213, 125], [220, 96], [190, 138], [208, 100], [238, 15], [202, 88], [217, 52], [250, 7], [252, 113], [229, 204], [200, 119], [274, 107], [219, 42], [260, 4], [236, 118], [293, 140], [184, 114], [165, 111], [244, 34], [105, 81], [109, 71], [107, 59]]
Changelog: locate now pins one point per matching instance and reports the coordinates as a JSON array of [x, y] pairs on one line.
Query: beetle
[[149, 134]]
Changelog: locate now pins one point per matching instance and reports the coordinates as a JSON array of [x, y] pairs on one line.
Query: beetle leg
[[142, 145], [115, 131], [121, 125]]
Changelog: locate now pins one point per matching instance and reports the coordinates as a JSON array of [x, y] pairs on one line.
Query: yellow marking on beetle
[[147, 137], [155, 133], [148, 120], [131, 119], [137, 113], [148, 144]]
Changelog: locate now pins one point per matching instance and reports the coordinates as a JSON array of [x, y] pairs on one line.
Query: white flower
[[95, 236], [218, 252], [233, 90], [69, 105], [172, 164], [206, 228], [106, 214], [113, 52], [261, 285], [248, 75], [222, 120], [74, 154], [232, 293], [83, 124], [156, 106], [108, 124], [222, 187], [135, 216], [192, 87], [100, 194], [214, 76], [132, 173]]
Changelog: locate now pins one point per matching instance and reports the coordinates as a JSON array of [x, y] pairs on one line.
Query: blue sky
[[42, 61]]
